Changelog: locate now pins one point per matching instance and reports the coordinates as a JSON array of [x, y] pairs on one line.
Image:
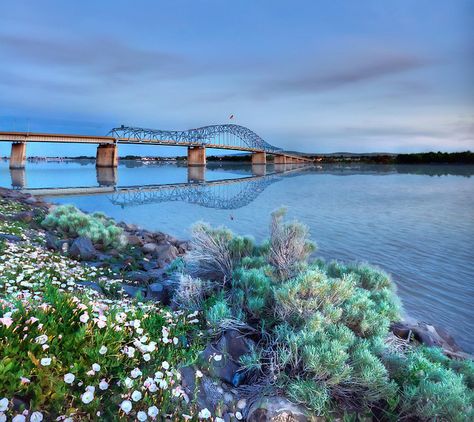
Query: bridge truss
[[226, 136]]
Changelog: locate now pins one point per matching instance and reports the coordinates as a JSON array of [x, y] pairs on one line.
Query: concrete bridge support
[[280, 159], [18, 155], [107, 155], [196, 156], [259, 158]]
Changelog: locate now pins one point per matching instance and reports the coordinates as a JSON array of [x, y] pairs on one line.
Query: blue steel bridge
[[225, 137]]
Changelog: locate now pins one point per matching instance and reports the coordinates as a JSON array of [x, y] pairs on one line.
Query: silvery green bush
[[70, 221]]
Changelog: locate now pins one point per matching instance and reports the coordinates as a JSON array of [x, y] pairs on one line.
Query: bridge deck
[[86, 139]]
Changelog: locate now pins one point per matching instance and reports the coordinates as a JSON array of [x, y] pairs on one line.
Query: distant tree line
[[466, 157]]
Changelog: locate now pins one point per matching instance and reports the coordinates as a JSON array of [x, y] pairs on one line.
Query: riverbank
[[195, 368]]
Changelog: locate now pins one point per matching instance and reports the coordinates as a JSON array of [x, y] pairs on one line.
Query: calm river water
[[416, 222]]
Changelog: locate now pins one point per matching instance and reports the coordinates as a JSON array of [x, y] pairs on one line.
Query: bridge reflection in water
[[219, 194]]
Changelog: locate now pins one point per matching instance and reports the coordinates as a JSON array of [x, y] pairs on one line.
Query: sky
[[313, 76]]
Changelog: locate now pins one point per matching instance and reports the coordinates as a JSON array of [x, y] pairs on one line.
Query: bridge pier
[[107, 155], [18, 155], [197, 156], [280, 159], [259, 158]]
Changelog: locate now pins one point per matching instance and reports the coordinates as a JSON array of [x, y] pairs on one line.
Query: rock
[[30, 200], [425, 334], [51, 241], [223, 368], [25, 216], [235, 344], [140, 276], [134, 240], [165, 253], [149, 248], [207, 393], [277, 409], [10, 237], [156, 274], [160, 291], [91, 285], [82, 248], [133, 291]]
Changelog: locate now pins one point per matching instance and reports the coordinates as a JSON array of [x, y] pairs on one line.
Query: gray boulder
[[51, 241], [133, 291], [160, 291], [91, 285], [165, 253], [82, 248], [426, 334], [139, 276], [10, 237], [278, 409]]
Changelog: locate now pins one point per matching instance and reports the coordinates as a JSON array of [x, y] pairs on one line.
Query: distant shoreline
[[466, 157]]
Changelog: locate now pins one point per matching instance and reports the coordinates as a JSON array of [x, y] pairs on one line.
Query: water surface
[[416, 222]]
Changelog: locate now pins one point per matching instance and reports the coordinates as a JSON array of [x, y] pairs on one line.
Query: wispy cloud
[[348, 72]]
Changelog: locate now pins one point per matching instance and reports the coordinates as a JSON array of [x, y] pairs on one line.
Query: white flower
[[36, 417], [103, 385], [218, 419], [136, 395], [96, 367], [238, 415], [146, 357], [152, 388], [153, 411], [204, 414], [3, 417], [198, 374], [128, 382], [45, 361], [3, 404], [87, 397], [217, 358], [126, 406], [69, 378], [136, 373], [84, 317], [103, 350], [42, 339], [19, 418], [141, 416], [165, 365], [158, 374]]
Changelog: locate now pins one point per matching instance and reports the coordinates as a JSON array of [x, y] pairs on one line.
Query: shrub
[[322, 329], [430, 390], [289, 246], [214, 252], [189, 293], [70, 221]]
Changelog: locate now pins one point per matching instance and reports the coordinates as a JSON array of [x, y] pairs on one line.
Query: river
[[415, 222]]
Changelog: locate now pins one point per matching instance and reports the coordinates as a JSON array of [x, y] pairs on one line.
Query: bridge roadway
[[226, 137]]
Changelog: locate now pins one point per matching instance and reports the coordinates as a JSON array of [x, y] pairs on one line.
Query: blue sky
[[315, 76]]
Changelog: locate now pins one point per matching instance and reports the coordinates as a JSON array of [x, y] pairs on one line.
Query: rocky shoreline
[[146, 270]]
